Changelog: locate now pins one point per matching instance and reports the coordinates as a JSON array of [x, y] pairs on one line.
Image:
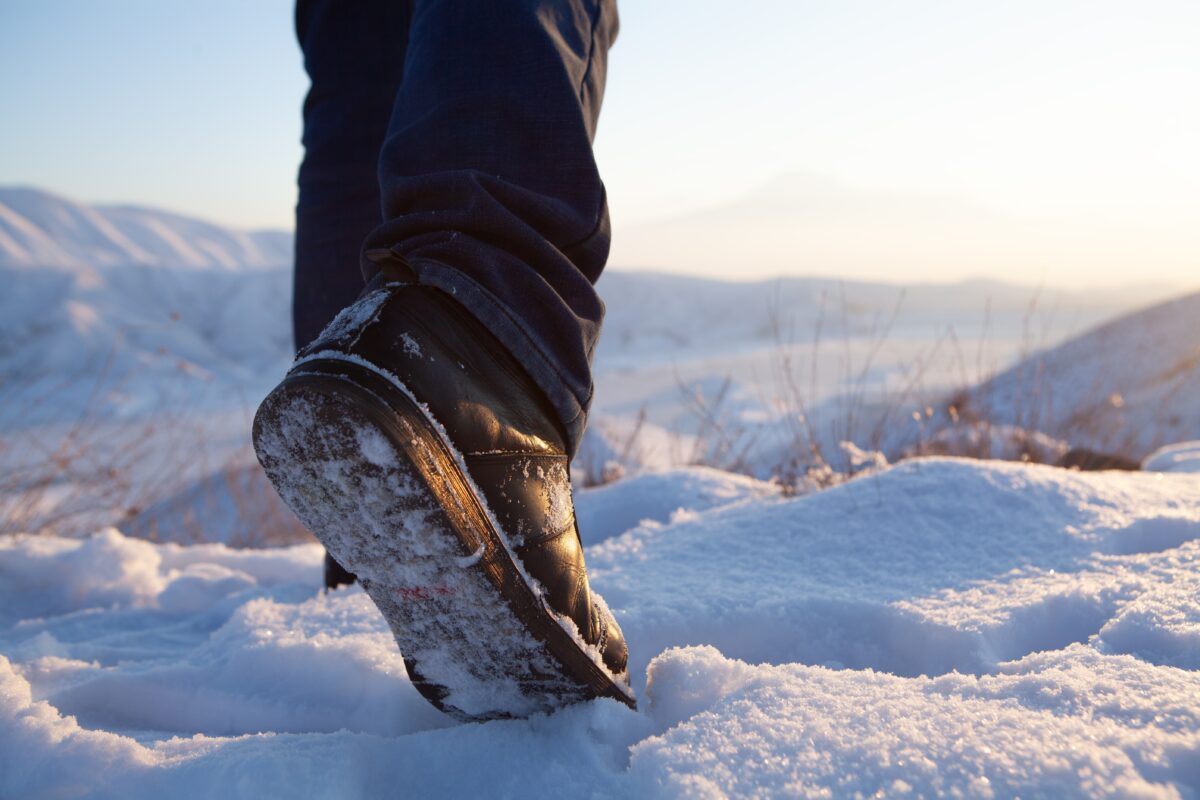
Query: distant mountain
[[802, 223], [40, 229]]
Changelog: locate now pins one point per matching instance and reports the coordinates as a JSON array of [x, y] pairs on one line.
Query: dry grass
[[593, 467], [238, 499], [72, 477], [148, 476], [858, 427], [865, 422]]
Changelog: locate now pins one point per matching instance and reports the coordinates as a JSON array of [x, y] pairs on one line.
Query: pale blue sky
[[189, 105], [1032, 140]]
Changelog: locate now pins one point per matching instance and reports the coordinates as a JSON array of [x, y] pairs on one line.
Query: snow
[[939, 626], [943, 626], [39, 229], [1046, 726], [110, 324], [1180, 457], [657, 497], [1126, 387]]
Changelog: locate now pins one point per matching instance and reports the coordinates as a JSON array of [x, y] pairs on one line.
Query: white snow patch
[[606, 511], [374, 447], [1182, 457], [942, 627], [354, 316], [411, 346], [1051, 727]]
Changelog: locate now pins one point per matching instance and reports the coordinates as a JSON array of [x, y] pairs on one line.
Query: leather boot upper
[[498, 420]]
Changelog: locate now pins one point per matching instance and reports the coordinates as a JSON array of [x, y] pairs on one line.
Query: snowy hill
[[137, 296], [1126, 387], [943, 627], [141, 341], [132, 344], [39, 229]]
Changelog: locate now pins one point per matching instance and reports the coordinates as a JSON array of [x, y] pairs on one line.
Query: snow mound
[[1047, 726], [943, 626], [1126, 387], [657, 497], [1182, 457], [932, 566]]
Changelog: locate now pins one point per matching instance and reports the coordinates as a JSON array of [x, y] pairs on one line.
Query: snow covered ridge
[[1126, 387], [147, 361], [136, 311], [945, 626], [40, 229]]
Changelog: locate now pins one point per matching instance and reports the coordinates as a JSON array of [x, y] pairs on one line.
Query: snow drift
[[944, 626]]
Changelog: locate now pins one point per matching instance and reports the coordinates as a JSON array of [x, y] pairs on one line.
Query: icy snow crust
[[946, 626]]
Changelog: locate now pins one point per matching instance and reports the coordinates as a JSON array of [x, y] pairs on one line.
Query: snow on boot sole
[[374, 478]]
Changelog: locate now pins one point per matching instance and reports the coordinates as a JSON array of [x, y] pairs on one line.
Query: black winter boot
[[421, 454]]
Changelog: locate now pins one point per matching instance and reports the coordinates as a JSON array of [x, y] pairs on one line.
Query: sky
[[1047, 142]]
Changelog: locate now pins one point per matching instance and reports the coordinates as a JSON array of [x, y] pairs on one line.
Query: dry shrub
[[236, 504], [599, 463], [147, 476], [856, 431], [868, 428]]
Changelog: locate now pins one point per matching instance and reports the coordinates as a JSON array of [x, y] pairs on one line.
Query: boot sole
[[374, 477]]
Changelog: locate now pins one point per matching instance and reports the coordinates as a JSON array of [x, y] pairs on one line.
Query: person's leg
[[425, 435], [354, 55], [489, 188]]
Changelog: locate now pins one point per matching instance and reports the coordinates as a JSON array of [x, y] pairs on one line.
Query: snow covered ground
[[944, 626], [134, 345], [940, 626]]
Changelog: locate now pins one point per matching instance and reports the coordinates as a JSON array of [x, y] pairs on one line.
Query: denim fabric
[[457, 133]]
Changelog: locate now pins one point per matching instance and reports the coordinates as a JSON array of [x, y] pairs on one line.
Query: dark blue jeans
[[458, 134]]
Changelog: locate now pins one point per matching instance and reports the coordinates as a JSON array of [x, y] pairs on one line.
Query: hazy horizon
[[1148, 288]]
